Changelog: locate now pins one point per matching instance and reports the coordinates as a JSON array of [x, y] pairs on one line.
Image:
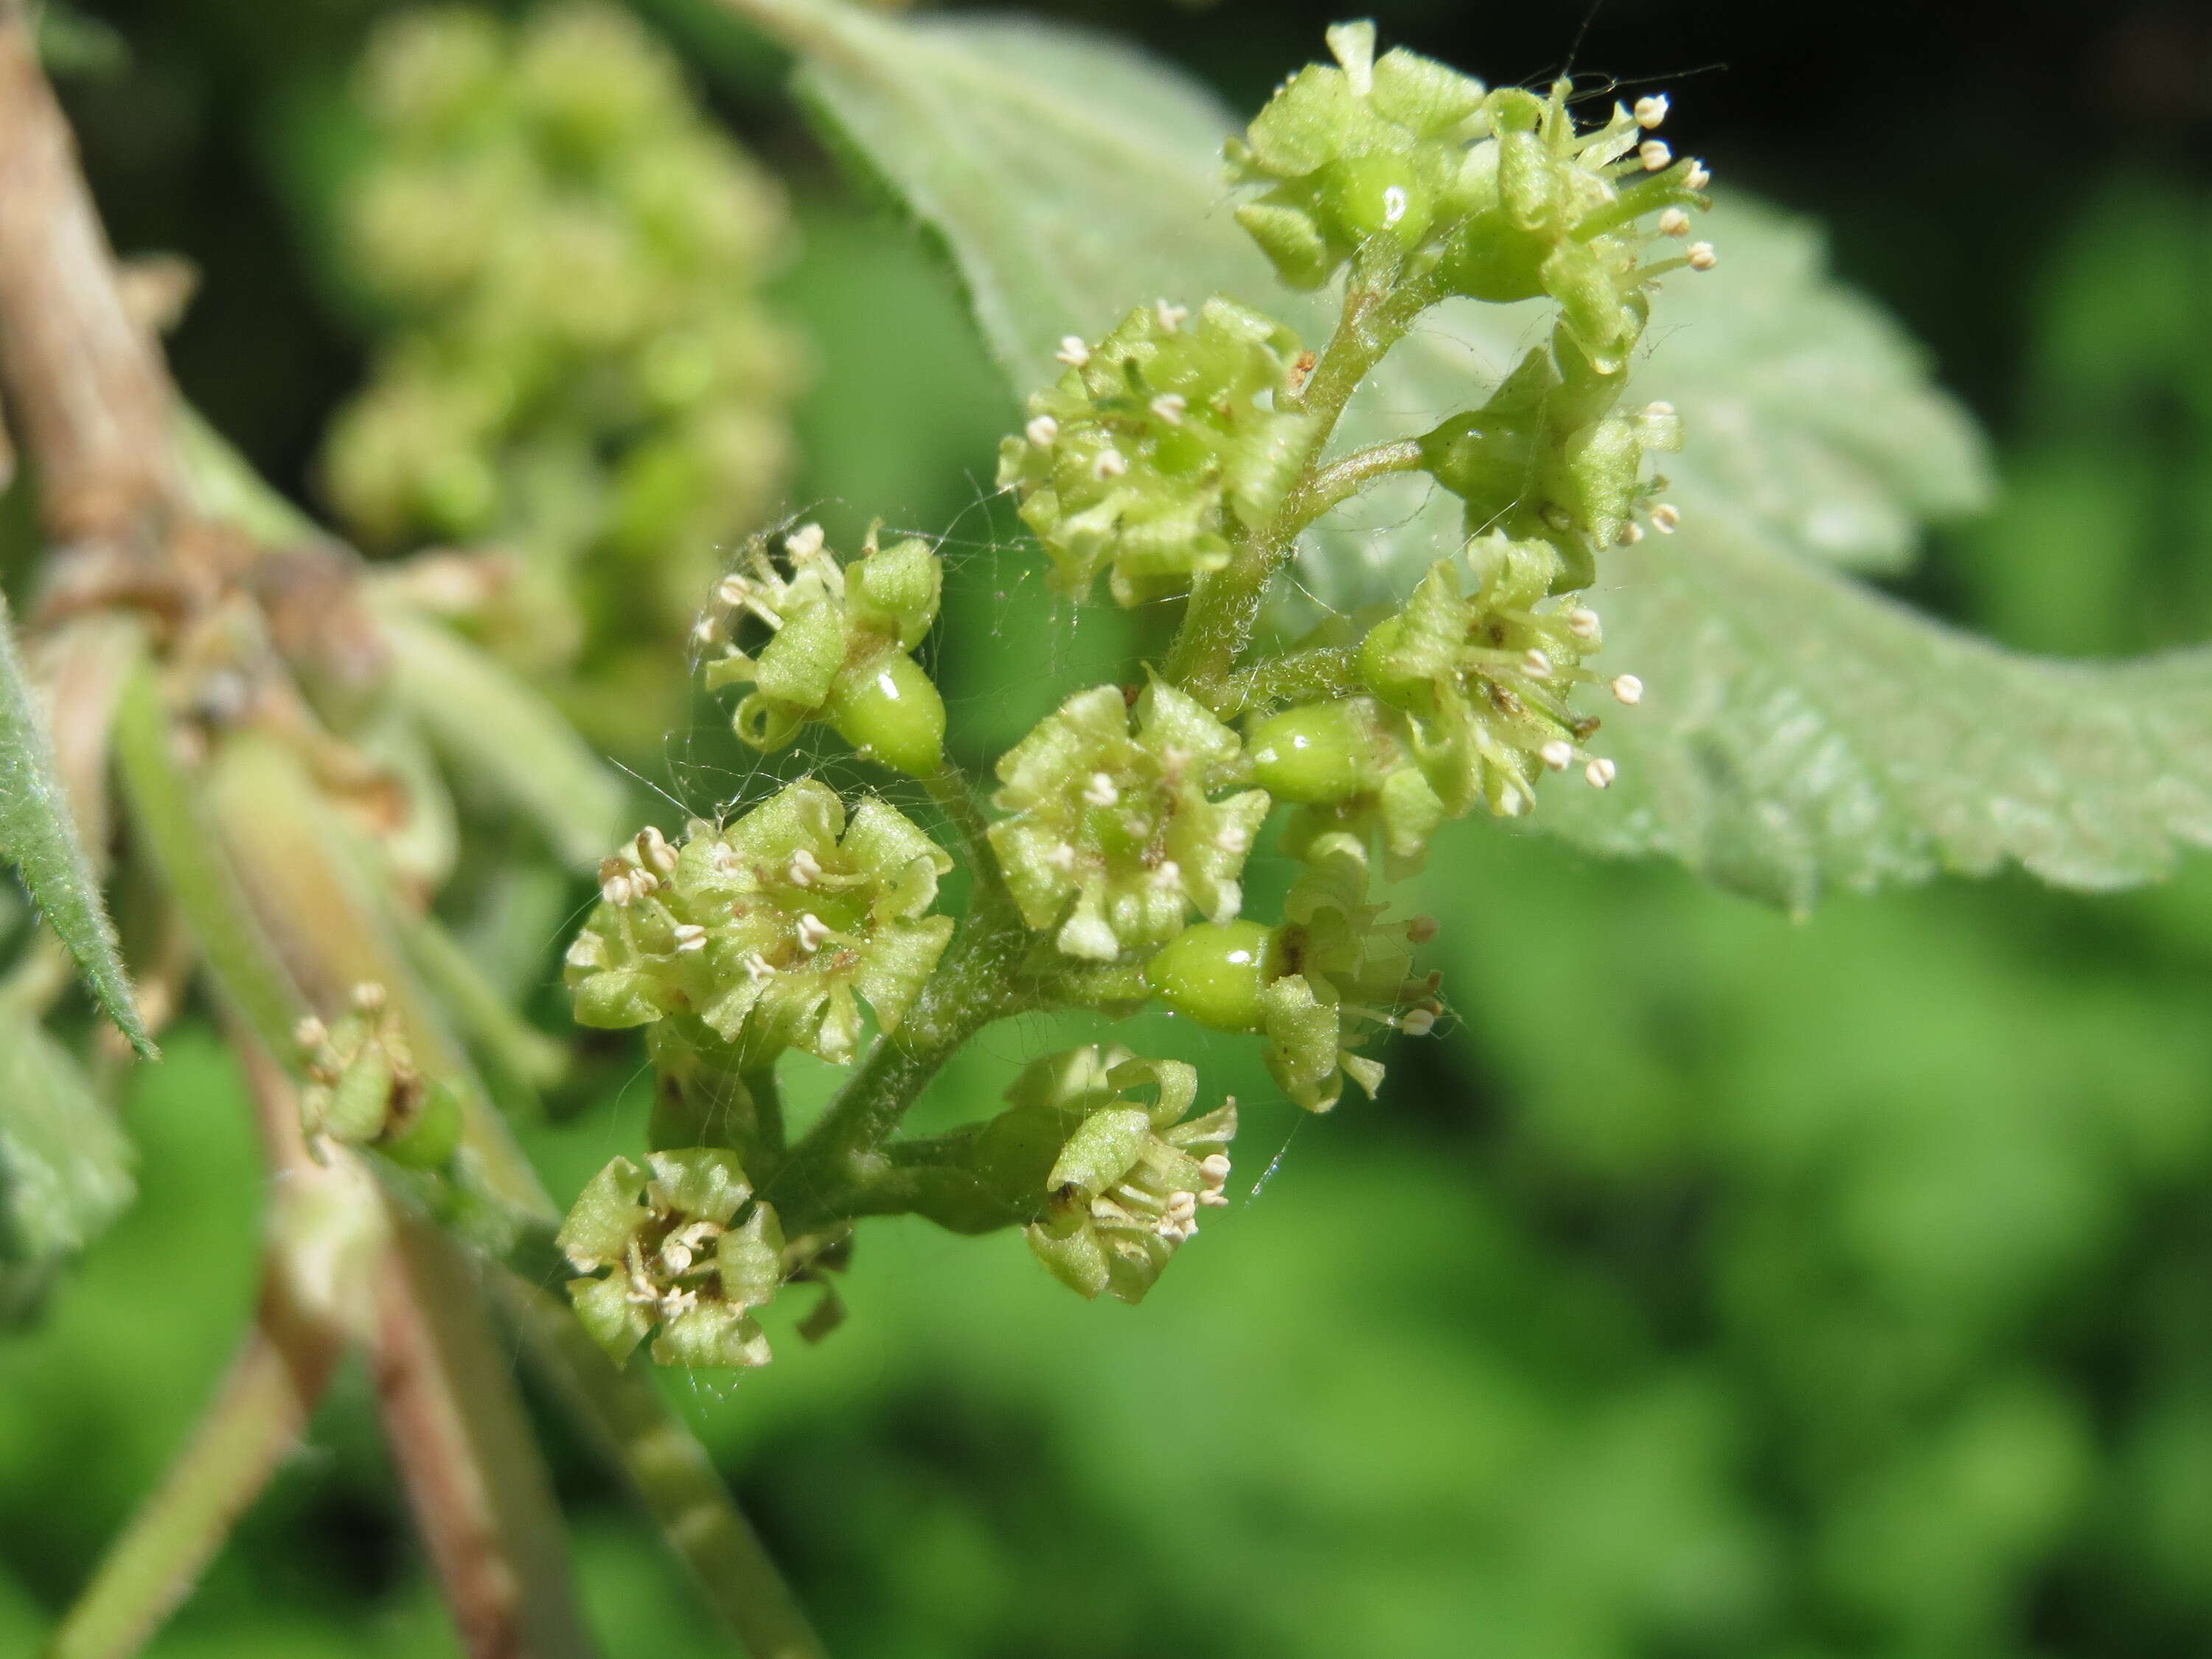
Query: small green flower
[[1369, 148], [670, 1258], [1548, 459], [1562, 213], [1125, 1190], [363, 1088], [838, 648], [1154, 440], [771, 931], [1498, 194], [1483, 678], [1341, 973], [1113, 836]]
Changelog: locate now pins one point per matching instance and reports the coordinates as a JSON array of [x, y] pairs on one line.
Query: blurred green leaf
[[40, 838], [1800, 732], [66, 1164]]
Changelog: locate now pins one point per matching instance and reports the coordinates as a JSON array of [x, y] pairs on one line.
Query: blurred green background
[[1717, 1285]]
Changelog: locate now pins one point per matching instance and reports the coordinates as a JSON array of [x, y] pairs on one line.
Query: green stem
[[1225, 606], [1326, 672], [767, 1093], [975, 984], [166, 817], [669, 1472], [252, 1426], [1342, 479], [950, 788]]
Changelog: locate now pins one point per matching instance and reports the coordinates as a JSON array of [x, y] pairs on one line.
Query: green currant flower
[[1113, 835], [1484, 678], [1562, 213], [1339, 973], [1124, 1190], [1370, 148], [668, 1258], [839, 637], [1313, 987], [363, 1088], [771, 931], [1548, 459], [1498, 194], [1154, 440], [1350, 767]]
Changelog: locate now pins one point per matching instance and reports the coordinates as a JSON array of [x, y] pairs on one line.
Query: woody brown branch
[[87, 393]]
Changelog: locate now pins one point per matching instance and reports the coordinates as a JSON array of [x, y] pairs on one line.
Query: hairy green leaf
[[66, 1164], [1799, 731], [40, 838]]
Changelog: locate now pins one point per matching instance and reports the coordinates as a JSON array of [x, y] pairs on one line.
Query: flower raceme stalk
[[1180, 456]]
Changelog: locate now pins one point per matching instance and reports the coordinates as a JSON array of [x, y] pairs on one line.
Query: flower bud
[[363, 1087], [1368, 149], [836, 650]]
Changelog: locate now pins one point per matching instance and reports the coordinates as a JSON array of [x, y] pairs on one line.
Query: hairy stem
[[1225, 605], [165, 814], [1342, 479], [667, 1470], [1326, 672], [324, 1225], [975, 984], [954, 795]]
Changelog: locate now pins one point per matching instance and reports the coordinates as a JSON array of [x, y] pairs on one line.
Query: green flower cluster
[[1548, 458], [1113, 833], [1494, 195], [771, 930], [1348, 765], [1179, 455], [363, 1088], [582, 370], [1363, 149], [1155, 441], [659, 1252], [840, 639]]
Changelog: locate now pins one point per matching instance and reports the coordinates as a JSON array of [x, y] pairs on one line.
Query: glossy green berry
[[1213, 972], [1316, 755], [892, 715], [1488, 457], [1376, 196]]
